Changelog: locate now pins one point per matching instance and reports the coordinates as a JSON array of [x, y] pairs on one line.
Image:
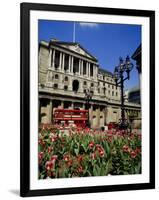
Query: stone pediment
[[76, 48], [79, 50]]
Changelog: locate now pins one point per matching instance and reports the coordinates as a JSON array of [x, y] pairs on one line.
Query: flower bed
[[82, 153]]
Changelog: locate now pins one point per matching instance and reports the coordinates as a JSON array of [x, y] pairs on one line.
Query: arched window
[[56, 76], [66, 78], [104, 90], [92, 84], [84, 90], [55, 86], [75, 85], [91, 92], [84, 83], [65, 87]]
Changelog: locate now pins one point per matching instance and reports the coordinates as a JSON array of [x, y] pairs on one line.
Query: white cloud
[[87, 24]]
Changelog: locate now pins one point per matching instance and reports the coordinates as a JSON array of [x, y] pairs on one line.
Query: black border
[[25, 9]]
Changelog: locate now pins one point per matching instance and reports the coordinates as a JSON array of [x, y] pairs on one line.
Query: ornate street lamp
[[124, 66], [88, 97]]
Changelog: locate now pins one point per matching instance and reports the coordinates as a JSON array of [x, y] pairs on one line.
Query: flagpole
[[74, 32]]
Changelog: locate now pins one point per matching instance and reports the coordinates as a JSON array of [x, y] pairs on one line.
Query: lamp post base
[[123, 125], [88, 125]]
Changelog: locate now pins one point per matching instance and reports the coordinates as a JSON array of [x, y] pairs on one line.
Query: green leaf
[[107, 148], [108, 167], [84, 147], [138, 168], [40, 148], [95, 172]]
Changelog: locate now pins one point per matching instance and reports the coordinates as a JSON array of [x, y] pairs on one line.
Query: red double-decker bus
[[78, 117]]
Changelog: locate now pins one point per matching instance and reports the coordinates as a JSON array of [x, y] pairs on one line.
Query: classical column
[[50, 112], [88, 69], [81, 67], [53, 59], [60, 63], [69, 64], [63, 61], [50, 57], [96, 71], [72, 64]]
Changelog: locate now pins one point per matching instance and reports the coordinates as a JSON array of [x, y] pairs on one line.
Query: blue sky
[[107, 42]]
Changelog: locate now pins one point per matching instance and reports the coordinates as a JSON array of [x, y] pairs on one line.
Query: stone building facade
[[66, 72]]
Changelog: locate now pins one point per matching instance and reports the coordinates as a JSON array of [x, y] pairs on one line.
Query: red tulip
[[133, 154], [101, 152], [54, 158], [40, 155], [126, 148], [91, 145], [66, 158], [49, 165]]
